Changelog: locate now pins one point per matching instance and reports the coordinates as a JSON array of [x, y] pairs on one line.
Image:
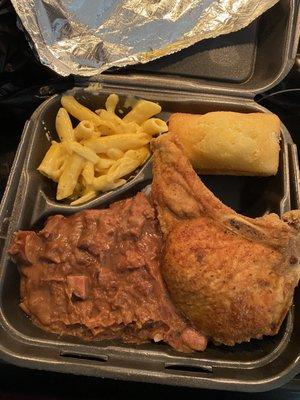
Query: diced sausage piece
[[194, 339], [78, 285]]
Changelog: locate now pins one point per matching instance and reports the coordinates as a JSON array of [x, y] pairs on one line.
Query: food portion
[[96, 275], [233, 277], [229, 143], [102, 150]]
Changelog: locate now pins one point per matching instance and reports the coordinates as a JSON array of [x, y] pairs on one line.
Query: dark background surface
[[24, 84], [17, 384]]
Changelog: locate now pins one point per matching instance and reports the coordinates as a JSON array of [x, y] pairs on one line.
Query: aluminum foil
[[87, 37]]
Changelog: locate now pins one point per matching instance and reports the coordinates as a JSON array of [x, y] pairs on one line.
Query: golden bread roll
[[229, 143]]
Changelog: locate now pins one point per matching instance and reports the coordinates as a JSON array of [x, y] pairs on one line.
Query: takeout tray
[[30, 198]]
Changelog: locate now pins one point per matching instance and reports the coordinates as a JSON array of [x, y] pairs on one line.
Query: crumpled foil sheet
[[87, 37]]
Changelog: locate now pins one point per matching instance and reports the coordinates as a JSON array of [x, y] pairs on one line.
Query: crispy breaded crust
[[232, 276]]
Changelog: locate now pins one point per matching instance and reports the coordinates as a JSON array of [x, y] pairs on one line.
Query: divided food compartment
[[30, 198], [35, 200]]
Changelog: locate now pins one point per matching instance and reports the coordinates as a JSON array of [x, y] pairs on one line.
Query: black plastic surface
[[228, 58], [244, 63], [29, 199]]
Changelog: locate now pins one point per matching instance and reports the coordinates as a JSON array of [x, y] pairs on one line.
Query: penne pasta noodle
[[101, 172], [123, 142], [104, 183], [154, 126], [84, 152], [131, 127], [141, 154], [63, 125], [79, 111], [69, 176], [114, 153], [103, 164], [109, 128], [142, 111], [123, 167], [99, 110], [109, 116], [84, 130], [112, 102], [52, 162], [90, 195], [63, 165], [88, 173], [131, 160]]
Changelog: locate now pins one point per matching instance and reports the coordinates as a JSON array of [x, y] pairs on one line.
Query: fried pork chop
[[232, 276]]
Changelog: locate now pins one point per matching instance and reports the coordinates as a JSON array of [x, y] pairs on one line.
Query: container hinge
[[131, 83]]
